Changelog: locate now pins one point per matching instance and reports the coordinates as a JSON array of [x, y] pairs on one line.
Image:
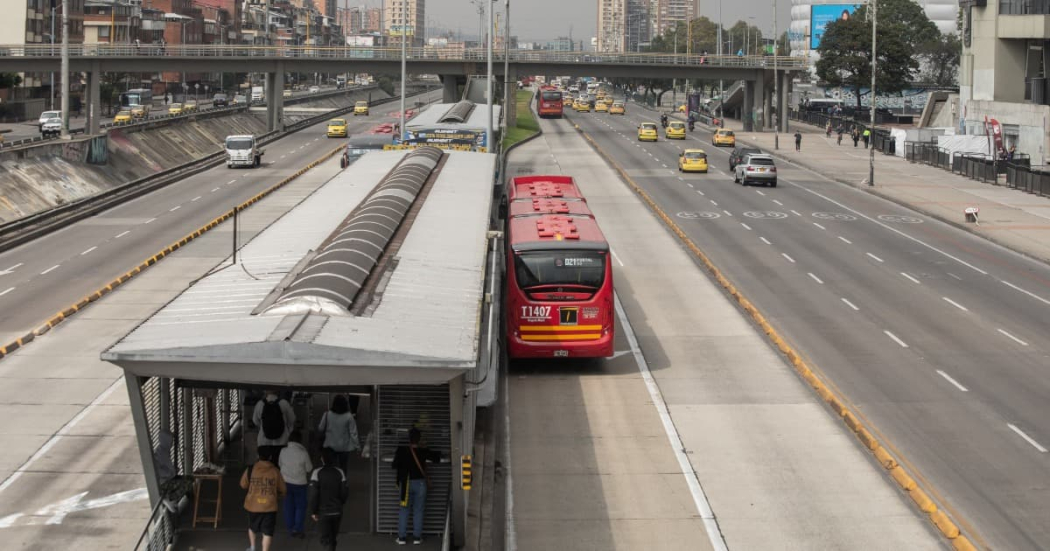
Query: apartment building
[[111, 22], [624, 25], [668, 13], [404, 18], [34, 22]]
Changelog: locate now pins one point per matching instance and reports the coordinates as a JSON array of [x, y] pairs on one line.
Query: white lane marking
[[148, 221], [122, 234], [58, 435], [955, 276], [89, 250], [11, 269], [214, 190], [952, 381], [618, 261], [690, 185], [175, 208], [896, 339], [955, 304], [785, 255], [1029, 293], [1015, 339], [892, 229], [758, 191], [49, 270], [764, 240], [714, 533], [815, 278], [796, 213], [1027, 438], [700, 192], [746, 227], [819, 226], [875, 257], [665, 166], [231, 181], [844, 240], [850, 304], [197, 198], [714, 203], [727, 212], [911, 278], [283, 156], [778, 202], [8, 290]]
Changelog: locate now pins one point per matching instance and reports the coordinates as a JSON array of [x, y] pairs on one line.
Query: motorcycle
[[663, 121], [692, 125]]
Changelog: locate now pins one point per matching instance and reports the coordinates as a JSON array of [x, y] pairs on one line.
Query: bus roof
[[543, 186], [549, 205], [555, 231]]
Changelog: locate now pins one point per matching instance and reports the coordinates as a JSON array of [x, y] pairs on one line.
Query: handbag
[[426, 475]]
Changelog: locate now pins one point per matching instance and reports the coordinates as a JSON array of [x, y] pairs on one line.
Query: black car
[[220, 100], [738, 155]]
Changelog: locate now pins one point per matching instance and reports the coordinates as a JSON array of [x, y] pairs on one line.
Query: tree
[[10, 80], [941, 60], [845, 49]]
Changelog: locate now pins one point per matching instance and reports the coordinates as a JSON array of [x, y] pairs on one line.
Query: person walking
[[340, 431], [328, 493], [798, 141], [264, 486], [295, 468], [275, 419], [855, 134], [867, 137], [412, 481], [840, 132]]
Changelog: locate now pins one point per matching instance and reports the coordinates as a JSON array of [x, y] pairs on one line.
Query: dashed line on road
[[955, 276], [197, 198], [1013, 338], [785, 255], [122, 234], [700, 192], [850, 304], [815, 278], [896, 339], [690, 185], [231, 181], [952, 381], [764, 240], [778, 202], [175, 208], [11, 269], [214, 190], [148, 221], [89, 250], [819, 226], [618, 261], [49, 270], [713, 202], [727, 212], [796, 213], [844, 240], [8, 290], [746, 227], [758, 191], [1027, 438], [875, 257], [911, 278], [1029, 293]]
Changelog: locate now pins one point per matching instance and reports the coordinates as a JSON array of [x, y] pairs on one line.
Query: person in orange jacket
[[265, 489]]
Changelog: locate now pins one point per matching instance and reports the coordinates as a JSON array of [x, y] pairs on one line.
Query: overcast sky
[[541, 20]]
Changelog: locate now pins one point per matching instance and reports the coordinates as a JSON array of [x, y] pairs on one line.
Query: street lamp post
[[404, 67], [65, 69], [874, 60], [721, 83], [776, 82], [488, 84]]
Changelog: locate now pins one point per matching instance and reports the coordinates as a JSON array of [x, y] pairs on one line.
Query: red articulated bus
[[550, 103], [559, 276]]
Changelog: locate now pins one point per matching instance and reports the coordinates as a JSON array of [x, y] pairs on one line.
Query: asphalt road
[[939, 338], [45, 276]]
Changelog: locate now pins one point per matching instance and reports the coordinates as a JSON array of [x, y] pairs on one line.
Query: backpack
[[272, 420]]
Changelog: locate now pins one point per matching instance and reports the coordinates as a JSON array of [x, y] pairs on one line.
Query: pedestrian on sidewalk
[[827, 130], [867, 137], [265, 487], [275, 418], [412, 482], [798, 141], [855, 134], [841, 130], [340, 431], [328, 493], [295, 468]]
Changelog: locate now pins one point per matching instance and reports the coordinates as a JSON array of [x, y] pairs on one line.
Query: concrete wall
[[1032, 123], [992, 68]]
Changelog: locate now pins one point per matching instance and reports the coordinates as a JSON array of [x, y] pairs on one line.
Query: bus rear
[[559, 287], [550, 103]]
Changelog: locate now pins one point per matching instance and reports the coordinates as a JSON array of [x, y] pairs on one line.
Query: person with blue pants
[[412, 480]]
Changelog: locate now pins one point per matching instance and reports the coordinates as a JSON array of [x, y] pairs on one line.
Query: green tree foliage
[[9, 80], [845, 49], [941, 60]]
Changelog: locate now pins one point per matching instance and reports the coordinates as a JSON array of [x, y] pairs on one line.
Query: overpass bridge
[[758, 72]]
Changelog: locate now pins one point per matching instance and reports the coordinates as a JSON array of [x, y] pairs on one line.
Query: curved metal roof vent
[[332, 278], [459, 112]]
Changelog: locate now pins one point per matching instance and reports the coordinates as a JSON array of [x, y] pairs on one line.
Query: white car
[[51, 127], [46, 115], [315, 89]]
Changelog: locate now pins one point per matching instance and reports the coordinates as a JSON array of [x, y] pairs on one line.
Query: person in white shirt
[[295, 468]]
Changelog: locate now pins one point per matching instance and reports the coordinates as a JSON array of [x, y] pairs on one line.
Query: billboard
[[439, 137], [822, 14]]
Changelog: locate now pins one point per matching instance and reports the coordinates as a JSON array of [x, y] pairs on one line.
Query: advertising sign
[[395, 30], [822, 14], [445, 136]]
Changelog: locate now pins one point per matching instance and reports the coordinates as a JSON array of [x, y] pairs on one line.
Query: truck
[[257, 93], [243, 150]]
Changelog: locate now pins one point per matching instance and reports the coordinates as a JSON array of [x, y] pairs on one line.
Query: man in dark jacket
[[328, 493], [412, 481]]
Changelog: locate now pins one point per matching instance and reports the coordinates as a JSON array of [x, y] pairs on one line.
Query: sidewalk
[[1012, 218]]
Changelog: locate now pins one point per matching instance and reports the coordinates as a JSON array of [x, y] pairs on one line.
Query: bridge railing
[[415, 54]]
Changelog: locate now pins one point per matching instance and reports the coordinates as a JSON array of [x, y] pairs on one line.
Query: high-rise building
[[669, 13], [404, 18], [623, 25]]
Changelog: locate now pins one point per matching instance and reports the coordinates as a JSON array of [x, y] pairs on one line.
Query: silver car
[[756, 169]]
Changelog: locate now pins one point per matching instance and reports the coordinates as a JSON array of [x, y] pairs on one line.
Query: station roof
[[424, 327], [431, 117]]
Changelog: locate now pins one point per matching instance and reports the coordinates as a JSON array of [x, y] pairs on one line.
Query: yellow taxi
[[189, 107], [617, 108], [337, 128], [601, 107], [287, 93], [647, 132], [692, 160], [138, 111], [682, 108], [361, 108], [724, 137], [675, 130], [173, 109], [582, 106], [609, 100], [123, 117]]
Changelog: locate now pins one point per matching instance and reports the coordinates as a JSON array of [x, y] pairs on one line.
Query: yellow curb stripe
[[84, 302], [938, 517]]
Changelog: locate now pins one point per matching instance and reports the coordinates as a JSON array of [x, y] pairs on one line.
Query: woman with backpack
[[276, 419], [340, 430]]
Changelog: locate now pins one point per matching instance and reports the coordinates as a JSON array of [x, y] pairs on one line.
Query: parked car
[[756, 169], [738, 154], [47, 115], [220, 100], [51, 127]]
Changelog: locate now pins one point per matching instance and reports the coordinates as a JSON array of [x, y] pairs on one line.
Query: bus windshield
[[239, 143], [131, 99], [551, 96], [560, 268]]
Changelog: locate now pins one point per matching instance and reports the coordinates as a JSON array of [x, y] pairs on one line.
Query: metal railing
[[1030, 179], [392, 54], [159, 532]]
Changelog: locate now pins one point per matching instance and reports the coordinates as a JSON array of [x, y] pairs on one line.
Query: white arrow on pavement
[[56, 512], [9, 270]]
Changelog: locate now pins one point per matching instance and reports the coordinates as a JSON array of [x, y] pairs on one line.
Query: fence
[[1027, 178]]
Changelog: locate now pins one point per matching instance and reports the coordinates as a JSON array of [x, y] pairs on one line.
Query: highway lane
[[40, 278], [938, 337]]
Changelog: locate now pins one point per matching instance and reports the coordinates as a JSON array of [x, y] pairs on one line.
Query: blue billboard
[[822, 14]]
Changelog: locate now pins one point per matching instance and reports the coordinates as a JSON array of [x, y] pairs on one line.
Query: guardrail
[[391, 54], [159, 532]]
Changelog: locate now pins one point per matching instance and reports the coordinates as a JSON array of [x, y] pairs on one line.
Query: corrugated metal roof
[[427, 318], [431, 117]]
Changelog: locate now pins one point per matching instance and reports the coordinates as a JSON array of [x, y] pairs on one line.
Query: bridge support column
[[450, 88], [747, 109], [782, 102], [767, 106], [94, 103], [510, 95], [758, 98], [275, 98]]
